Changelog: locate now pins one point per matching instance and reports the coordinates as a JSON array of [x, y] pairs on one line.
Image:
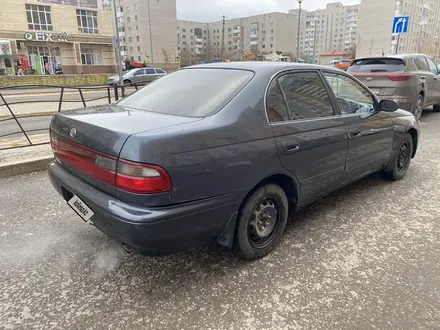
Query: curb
[[28, 166]]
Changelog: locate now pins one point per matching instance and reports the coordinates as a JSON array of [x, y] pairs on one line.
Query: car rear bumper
[[150, 231]]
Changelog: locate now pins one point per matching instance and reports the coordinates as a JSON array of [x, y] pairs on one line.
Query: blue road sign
[[400, 24]]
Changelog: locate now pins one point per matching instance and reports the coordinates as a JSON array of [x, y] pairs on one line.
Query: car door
[[427, 79], [370, 132], [138, 76], [435, 88], [310, 137], [150, 75]]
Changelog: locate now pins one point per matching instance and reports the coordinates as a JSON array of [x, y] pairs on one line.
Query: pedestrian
[[46, 68], [19, 67]]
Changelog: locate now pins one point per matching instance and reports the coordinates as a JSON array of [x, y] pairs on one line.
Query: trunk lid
[[106, 128], [382, 75]]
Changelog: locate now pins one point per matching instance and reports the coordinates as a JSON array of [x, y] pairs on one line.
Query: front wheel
[[398, 167], [419, 107], [261, 222]]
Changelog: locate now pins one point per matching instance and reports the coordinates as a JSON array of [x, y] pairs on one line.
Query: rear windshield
[[377, 65], [190, 92], [345, 62]]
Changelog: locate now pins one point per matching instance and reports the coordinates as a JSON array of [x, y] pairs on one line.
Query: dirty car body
[[174, 165]]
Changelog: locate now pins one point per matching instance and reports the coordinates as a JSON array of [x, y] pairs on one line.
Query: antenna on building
[[223, 37]]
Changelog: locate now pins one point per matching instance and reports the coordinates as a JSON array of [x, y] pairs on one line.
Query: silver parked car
[[412, 80], [138, 76]]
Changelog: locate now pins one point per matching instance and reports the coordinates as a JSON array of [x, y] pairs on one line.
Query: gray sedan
[[223, 153], [138, 76]]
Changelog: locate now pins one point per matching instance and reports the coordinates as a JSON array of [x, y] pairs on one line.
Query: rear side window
[[421, 64], [377, 65], [306, 95], [190, 92], [276, 106], [160, 71]]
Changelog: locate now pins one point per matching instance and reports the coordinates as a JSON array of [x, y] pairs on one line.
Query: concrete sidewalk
[[24, 160]]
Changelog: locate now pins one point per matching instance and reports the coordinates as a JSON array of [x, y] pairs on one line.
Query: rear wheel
[[261, 222], [419, 107], [399, 165]]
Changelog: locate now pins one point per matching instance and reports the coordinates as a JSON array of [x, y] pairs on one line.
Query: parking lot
[[365, 257]]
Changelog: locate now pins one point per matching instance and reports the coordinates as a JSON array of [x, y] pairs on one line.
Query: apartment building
[[76, 35], [260, 34], [136, 18], [333, 29], [423, 29]]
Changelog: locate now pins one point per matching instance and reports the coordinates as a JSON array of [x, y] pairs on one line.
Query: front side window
[[350, 96], [306, 95], [87, 21], [91, 56], [140, 72], [39, 17], [421, 64]]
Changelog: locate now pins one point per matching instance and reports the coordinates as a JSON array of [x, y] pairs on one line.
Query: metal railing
[[33, 94]]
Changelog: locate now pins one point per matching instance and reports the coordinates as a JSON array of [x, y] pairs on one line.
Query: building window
[[87, 21], [130, 39], [136, 18], [137, 38], [139, 48], [39, 17], [91, 56]]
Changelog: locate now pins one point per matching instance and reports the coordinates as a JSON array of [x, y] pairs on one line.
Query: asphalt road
[[40, 123], [366, 257]]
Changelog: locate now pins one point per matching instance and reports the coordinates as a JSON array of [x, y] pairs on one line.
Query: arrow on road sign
[[400, 24]]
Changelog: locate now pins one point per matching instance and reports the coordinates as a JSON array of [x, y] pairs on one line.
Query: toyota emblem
[[72, 133]]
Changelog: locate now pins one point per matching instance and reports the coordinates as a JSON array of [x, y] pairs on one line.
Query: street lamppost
[[314, 40], [436, 48], [151, 35], [299, 30], [118, 48]]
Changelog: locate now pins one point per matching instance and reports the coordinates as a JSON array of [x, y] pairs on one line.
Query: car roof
[[399, 56], [258, 66]]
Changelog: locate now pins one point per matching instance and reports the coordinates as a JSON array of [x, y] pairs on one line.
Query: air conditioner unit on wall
[[21, 45]]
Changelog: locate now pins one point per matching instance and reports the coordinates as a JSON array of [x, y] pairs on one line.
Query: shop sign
[[5, 47], [46, 36]]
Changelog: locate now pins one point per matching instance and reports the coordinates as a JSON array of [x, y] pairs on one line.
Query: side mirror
[[388, 105]]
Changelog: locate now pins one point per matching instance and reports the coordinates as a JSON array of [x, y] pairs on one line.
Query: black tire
[[127, 82], [436, 107], [261, 222], [418, 107], [398, 167]]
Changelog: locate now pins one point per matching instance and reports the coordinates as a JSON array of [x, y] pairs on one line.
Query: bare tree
[[166, 57]]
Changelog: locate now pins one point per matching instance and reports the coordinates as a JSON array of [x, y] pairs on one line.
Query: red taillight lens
[[142, 178], [95, 164], [400, 77], [129, 176], [390, 76]]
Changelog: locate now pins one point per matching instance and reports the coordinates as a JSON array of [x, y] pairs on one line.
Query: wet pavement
[[366, 257]]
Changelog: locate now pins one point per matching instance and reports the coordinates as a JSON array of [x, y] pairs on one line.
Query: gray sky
[[212, 10]]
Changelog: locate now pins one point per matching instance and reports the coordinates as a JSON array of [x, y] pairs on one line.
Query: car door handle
[[290, 147], [354, 134], [435, 78], [422, 77]]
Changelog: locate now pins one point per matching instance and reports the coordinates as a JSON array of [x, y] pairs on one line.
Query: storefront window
[[87, 21], [39, 17], [91, 56], [40, 55]]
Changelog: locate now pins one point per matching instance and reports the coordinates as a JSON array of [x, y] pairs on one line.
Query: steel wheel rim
[[403, 157], [264, 223]]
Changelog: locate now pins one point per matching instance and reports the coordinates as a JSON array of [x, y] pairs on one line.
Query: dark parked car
[[223, 152], [412, 80]]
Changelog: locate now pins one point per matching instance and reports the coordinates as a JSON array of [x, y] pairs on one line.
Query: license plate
[[81, 208], [376, 91]]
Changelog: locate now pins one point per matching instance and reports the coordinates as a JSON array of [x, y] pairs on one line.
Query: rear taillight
[[390, 76], [142, 178], [400, 77], [126, 175]]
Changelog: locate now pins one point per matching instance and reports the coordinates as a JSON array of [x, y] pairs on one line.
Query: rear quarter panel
[[229, 152]]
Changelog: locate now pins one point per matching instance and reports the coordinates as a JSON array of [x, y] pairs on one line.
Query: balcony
[[254, 42]]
